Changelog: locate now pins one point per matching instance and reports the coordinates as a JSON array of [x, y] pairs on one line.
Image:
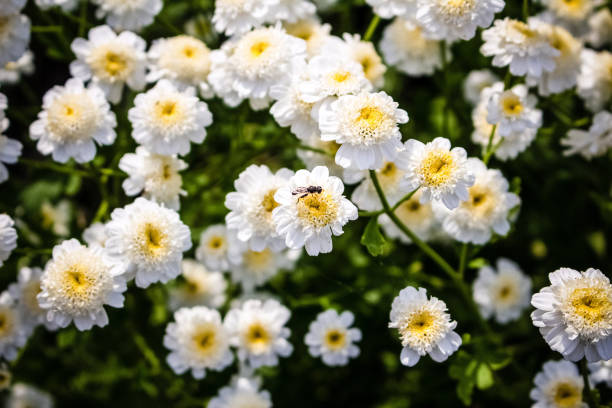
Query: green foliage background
[[565, 220]]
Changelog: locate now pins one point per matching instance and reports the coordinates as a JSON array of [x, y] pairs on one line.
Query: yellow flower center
[[269, 203], [341, 76], [522, 28], [457, 7], [593, 305], [258, 260], [71, 117], [115, 64], [168, 112], [216, 242], [317, 209], [259, 48], [335, 339], [154, 241], [257, 338], [437, 168], [566, 395], [7, 322], [370, 117], [205, 340], [481, 202], [511, 104]]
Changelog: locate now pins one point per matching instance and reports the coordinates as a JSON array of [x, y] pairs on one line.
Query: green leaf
[[477, 263], [484, 376], [373, 239]]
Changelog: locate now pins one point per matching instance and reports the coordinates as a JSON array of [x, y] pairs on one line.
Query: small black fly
[[307, 190]]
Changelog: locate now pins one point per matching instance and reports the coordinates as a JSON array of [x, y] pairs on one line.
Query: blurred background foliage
[[565, 220]]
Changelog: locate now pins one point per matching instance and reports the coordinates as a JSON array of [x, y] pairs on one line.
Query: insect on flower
[[307, 190]]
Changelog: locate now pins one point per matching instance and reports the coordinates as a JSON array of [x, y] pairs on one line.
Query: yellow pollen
[[317, 209], [189, 52], [335, 339], [341, 76], [481, 202], [370, 117], [437, 168], [567, 396], [192, 287], [593, 305], [511, 104], [269, 203], [458, 7], [115, 64], [216, 242], [257, 338], [420, 328], [154, 241], [259, 48], [204, 340], [6, 323]]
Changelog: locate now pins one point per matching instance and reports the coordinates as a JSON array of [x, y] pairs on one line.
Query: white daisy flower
[[332, 338], [95, 234], [8, 237], [258, 330], [76, 284], [14, 331], [441, 173], [451, 20], [166, 120], [26, 290], [149, 240], [155, 175], [393, 8], [324, 155], [574, 314], [201, 287], [74, 118], [10, 150], [311, 209], [12, 71], [362, 52], [238, 17], [512, 110], [595, 79], [601, 372], [182, 59], [503, 292], [242, 393], [110, 61], [600, 28], [251, 206], [476, 82], [23, 395], [485, 211], [290, 109], [290, 10], [558, 385], [405, 47], [65, 5], [519, 46], [419, 218], [393, 182], [592, 143], [512, 144], [424, 326], [197, 341], [132, 15], [312, 31], [14, 37], [366, 127], [12, 7], [573, 12], [213, 248], [248, 66]]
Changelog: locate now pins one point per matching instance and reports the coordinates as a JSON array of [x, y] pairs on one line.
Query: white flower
[[66, 5], [310, 30], [571, 11], [76, 284], [312, 158], [26, 290], [12, 71], [600, 28], [14, 331], [251, 206], [311, 209], [165, 120], [131, 15], [574, 314], [74, 118], [213, 248], [424, 326], [201, 287], [440, 172], [23, 395], [242, 393], [331, 337], [8, 237], [486, 210], [366, 127], [419, 218], [558, 385], [197, 341], [56, 217], [451, 20], [475, 82], [592, 143], [11, 7], [507, 148], [14, 37], [10, 150], [512, 110], [254, 268], [601, 372], [95, 234], [393, 182], [393, 8], [182, 59], [149, 240], [237, 17], [290, 10], [110, 61], [156, 176], [258, 330], [595, 79], [362, 52], [405, 46], [248, 66], [290, 109], [519, 46], [503, 293]]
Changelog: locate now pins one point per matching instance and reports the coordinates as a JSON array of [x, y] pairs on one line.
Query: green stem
[[525, 10], [94, 173], [463, 259], [314, 149], [370, 213], [445, 121], [33, 251], [404, 198], [371, 28], [588, 392], [489, 150]]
